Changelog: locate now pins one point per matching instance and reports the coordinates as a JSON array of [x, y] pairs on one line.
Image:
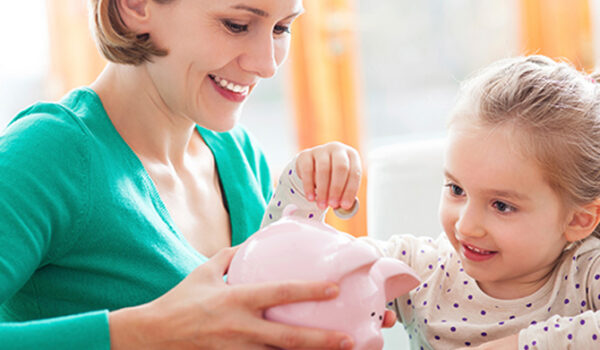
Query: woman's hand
[[203, 312], [507, 343], [330, 174]]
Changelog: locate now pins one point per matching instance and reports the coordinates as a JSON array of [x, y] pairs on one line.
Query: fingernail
[[310, 197], [346, 344], [331, 291], [322, 204], [333, 203], [347, 204]]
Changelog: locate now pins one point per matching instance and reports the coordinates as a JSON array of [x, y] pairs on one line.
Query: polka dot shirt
[[448, 310]]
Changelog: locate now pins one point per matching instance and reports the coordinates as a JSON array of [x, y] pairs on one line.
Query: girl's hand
[[507, 343], [203, 312], [330, 174]]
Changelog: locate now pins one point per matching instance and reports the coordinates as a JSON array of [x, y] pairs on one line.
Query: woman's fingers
[[294, 337], [265, 295]]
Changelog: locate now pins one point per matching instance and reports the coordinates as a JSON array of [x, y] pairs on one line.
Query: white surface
[[405, 183]]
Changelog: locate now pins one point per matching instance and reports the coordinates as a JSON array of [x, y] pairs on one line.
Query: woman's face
[[218, 51]]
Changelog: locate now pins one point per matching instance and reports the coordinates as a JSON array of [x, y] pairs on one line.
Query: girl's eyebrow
[[262, 13]]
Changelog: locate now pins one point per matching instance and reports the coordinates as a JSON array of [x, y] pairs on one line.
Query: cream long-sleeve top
[[449, 310]]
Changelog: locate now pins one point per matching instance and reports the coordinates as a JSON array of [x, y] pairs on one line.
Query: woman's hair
[[556, 110], [116, 42]]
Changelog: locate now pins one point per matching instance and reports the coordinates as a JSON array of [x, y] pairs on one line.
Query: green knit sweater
[[83, 229]]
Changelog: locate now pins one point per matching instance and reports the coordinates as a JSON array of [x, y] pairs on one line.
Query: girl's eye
[[279, 29], [235, 28], [503, 207], [455, 190]]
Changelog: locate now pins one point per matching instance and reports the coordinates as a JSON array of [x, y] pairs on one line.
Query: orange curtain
[[558, 29], [74, 59], [326, 101]]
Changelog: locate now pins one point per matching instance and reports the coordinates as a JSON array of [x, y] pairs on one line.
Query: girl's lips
[[476, 254]]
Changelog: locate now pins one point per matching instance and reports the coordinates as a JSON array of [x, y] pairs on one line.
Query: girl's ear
[[135, 14], [583, 221]]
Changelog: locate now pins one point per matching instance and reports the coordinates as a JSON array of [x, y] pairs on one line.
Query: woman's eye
[[503, 207], [281, 29], [455, 190], [235, 28]]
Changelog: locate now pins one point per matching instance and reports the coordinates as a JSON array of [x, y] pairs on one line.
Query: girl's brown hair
[[554, 107], [117, 42]]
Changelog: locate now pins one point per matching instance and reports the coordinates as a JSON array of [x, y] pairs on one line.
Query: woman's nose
[[260, 58]]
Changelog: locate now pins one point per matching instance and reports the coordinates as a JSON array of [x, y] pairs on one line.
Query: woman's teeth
[[239, 89]]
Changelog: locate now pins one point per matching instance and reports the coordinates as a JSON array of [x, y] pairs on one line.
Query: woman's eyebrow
[[262, 13]]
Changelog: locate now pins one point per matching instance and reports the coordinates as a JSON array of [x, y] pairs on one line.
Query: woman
[[114, 198]]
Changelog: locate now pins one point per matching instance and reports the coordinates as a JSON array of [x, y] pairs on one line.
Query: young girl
[[519, 264]]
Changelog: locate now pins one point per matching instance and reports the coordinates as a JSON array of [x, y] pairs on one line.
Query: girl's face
[[500, 214], [218, 51]]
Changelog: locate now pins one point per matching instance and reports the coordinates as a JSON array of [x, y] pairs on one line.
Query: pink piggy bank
[[302, 249]]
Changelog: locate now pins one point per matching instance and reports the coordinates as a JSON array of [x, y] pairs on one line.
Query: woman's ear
[[135, 14], [583, 221]]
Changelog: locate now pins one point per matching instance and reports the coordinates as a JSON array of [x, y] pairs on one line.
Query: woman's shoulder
[[55, 117]]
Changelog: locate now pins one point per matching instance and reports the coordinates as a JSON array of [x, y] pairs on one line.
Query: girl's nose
[[470, 222]]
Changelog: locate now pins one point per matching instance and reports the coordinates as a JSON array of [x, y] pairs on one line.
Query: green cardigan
[[83, 229]]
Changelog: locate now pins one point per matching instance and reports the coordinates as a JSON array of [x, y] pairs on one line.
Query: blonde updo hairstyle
[[116, 42], [555, 111]]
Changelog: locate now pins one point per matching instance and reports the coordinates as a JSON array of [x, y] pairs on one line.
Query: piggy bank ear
[[397, 277]]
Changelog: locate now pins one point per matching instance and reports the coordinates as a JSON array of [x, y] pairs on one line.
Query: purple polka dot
[[465, 319], [533, 322], [422, 251], [483, 312], [425, 303], [501, 323], [566, 276], [425, 321], [597, 277], [448, 291], [279, 203], [390, 303], [461, 269], [456, 305], [570, 336], [465, 282], [430, 267], [511, 317], [550, 308], [311, 215], [468, 343], [470, 297], [452, 329], [567, 301], [437, 307], [557, 326], [534, 343], [483, 334], [270, 216], [583, 303], [425, 285], [442, 267], [292, 190], [594, 337], [546, 329], [404, 252], [437, 337], [526, 347], [528, 305], [582, 322], [290, 172], [409, 302], [577, 286]]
